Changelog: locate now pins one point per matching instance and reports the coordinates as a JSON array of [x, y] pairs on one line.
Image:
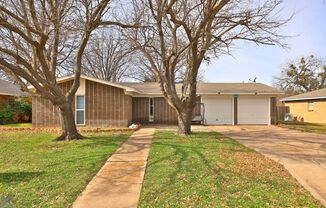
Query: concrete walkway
[[118, 183], [302, 154]]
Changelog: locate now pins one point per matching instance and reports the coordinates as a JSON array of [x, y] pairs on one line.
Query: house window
[[310, 106], [151, 109], [80, 109]]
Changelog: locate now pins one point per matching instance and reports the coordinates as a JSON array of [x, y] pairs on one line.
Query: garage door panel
[[253, 111], [218, 110]]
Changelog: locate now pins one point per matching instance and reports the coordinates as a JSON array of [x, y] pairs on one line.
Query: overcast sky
[[249, 61]]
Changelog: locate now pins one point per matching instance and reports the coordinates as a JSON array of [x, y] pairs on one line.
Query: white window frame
[[151, 117], [76, 110], [310, 106]]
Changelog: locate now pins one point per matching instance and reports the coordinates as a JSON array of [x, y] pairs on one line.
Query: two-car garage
[[232, 110]]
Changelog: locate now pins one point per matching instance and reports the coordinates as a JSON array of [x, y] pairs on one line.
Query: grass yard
[[18, 125], [35, 171], [305, 127], [210, 170]]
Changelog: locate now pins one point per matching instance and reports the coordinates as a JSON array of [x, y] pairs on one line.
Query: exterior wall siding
[[140, 110], [106, 106], [235, 111], [44, 114], [163, 112], [300, 110], [273, 110]]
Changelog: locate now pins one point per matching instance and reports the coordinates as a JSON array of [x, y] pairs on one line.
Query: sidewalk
[[118, 183]]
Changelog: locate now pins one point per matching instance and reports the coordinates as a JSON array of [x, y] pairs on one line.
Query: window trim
[[151, 117], [310, 106], [76, 110]]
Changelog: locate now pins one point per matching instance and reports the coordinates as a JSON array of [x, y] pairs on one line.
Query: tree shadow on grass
[[182, 150], [23, 176]]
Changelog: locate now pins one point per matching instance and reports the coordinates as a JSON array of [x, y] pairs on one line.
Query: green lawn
[[35, 171], [305, 127], [210, 170], [18, 125]]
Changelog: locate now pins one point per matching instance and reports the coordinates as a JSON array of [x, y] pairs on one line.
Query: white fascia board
[[306, 98]]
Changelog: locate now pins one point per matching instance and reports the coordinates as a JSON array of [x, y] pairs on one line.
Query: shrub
[[18, 111], [23, 109], [6, 113]]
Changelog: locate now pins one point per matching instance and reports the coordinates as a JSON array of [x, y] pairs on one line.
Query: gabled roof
[[118, 85], [210, 88], [7, 88], [313, 95], [71, 77]]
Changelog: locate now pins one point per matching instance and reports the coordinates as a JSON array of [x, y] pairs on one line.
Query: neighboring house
[[103, 103], [308, 107], [8, 91]]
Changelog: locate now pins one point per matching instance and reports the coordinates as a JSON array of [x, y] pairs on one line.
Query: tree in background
[[140, 71], [37, 38], [302, 75], [186, 33], [108, 56]]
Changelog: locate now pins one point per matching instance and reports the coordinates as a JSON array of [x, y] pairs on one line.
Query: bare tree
[[302, 75], [4, 76], [38, 36], [185, 33], [108, 56], [141, 70]]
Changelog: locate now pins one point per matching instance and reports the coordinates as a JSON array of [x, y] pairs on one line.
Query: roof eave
[[12, 94], [71, 77], [306, 98], [243, 93], [216, 93]]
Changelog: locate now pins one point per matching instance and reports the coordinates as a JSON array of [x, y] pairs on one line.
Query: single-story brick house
[[308, 107], [103, 103], [9, 91]]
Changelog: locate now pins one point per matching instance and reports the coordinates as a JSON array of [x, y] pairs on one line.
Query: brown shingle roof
[[313, 95], [211, 88], [202, 88], [7, 88]]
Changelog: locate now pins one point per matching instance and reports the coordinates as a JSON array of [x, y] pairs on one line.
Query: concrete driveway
[[302, 154]]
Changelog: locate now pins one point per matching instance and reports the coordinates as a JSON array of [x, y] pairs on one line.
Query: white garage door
[[253, 111], [218, 110]]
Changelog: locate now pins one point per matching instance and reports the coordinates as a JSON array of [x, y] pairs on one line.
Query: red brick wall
[[6, 98]]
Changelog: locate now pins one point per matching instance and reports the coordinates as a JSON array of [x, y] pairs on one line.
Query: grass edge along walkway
[[118, 183]]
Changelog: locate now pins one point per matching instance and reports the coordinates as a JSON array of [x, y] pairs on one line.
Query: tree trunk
[[69, 129], [184, 121]]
